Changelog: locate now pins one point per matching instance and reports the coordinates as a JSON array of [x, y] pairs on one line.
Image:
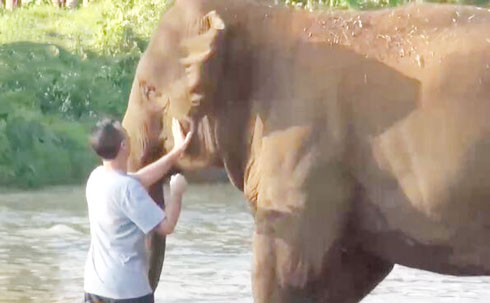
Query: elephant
[[360, 139]]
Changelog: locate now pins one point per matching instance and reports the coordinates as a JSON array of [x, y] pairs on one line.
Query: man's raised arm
[[153, 172]]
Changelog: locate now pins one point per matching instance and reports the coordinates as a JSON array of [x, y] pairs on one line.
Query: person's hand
[[181, 142], [178, 184]]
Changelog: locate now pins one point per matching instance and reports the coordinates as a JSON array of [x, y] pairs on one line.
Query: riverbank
[[60, 70]]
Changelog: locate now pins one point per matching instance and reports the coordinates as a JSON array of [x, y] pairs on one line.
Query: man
[[121, 213]]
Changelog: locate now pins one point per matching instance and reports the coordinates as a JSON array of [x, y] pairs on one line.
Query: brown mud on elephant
[[360, 139]]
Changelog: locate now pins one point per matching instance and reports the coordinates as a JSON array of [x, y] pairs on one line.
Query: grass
[[59, 71], [104, 27]]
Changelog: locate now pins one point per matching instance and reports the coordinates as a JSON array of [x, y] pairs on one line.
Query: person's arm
[[178, 184], [153, 172]]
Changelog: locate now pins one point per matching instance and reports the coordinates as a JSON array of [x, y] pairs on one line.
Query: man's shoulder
[[132, 183], [125, 183], [111, 180], [96, 171]]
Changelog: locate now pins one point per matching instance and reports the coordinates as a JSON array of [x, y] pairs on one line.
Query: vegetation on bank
[[62, 69], [59, 71]]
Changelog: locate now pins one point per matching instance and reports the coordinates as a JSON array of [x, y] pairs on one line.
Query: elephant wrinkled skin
[[360, 139]]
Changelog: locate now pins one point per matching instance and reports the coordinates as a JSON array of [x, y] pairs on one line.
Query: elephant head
[[169, 84]]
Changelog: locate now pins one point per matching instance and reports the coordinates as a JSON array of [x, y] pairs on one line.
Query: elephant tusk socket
[[178, 131]]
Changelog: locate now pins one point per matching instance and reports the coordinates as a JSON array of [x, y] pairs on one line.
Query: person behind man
[[121, 213]]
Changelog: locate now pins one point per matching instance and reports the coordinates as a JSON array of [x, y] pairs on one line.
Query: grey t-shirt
[[120, 212]]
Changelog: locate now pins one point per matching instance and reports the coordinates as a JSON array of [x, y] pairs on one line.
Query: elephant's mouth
[[202, 149], [184, 126], [181, 128]]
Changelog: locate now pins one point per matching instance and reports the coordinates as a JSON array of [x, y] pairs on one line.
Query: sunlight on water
[[44, 240]]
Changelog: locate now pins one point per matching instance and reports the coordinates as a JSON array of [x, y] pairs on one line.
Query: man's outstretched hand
[[153, 172], [180, 141]]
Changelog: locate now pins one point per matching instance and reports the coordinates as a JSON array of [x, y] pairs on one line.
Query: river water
[[44, 238]]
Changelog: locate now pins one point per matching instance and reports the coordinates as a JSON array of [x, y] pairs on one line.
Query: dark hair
[[106, 138]]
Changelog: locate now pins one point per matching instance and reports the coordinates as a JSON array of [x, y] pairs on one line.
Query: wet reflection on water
[[44, 240], [43, 245]]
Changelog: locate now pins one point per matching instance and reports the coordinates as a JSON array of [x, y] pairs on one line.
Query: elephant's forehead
[[161, 59], [159, 69]]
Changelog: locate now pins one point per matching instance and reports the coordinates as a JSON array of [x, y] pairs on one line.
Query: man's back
[[120, 212]]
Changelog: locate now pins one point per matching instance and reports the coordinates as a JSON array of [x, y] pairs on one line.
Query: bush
[[79, 68], [36, 153]]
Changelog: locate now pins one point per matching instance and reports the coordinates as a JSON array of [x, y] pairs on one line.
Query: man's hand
[[178, 185], [181, 142], [153, 172]]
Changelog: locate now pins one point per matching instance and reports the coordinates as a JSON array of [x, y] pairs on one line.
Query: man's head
[[109, 140]]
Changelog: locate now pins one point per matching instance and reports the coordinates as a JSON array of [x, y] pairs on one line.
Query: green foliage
[[36, 153], [77, 66], [104, 27], [48, 99], [126, 25]]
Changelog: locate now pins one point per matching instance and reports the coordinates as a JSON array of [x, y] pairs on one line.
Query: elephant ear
[[198, 46]]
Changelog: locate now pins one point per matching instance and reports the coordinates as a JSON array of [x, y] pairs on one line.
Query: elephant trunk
[[157, 241], [143, 129]]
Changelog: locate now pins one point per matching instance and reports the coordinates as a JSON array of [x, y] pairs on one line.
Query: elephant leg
[[304, 248], [351, 274], [304, 204], [157, 241], [297, 238], [346, 274]]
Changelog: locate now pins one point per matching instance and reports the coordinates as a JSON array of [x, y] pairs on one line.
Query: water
[[44, 238]]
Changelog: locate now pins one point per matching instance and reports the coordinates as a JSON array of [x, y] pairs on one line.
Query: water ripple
[[44, 237]]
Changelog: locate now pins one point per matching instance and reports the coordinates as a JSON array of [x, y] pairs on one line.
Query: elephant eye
[[151, 93], [148, 91]]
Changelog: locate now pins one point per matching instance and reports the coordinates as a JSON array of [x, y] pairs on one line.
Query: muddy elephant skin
[[360, 139]]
